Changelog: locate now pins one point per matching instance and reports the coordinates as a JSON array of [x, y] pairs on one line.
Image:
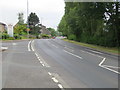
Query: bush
[[72, 37], [16, 36], [11, 38], [5, 36], [45, 36]]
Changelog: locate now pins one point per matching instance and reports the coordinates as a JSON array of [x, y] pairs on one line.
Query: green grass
[[113, 50]]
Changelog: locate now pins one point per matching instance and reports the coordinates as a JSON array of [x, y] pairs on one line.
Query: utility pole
[[27, 19]]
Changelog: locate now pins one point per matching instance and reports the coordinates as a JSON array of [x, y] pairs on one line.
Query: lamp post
[[27, 19]]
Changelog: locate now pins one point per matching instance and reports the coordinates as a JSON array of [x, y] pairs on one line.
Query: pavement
[[54, 63]]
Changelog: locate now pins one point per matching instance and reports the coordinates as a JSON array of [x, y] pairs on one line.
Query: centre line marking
[[73, 54]]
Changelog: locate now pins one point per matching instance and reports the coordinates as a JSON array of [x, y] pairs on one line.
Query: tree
[[92, 22], [20, 18], [33, 21], [53, 32]]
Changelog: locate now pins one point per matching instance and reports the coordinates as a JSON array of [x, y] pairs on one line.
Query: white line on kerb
[[73, 54], [29, 46]]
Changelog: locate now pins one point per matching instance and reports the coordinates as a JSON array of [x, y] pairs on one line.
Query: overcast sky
[[51, 11]]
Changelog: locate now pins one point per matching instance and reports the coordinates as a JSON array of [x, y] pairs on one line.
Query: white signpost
[[10, 30]]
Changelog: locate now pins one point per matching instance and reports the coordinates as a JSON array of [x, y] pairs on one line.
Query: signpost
[[10, 30]]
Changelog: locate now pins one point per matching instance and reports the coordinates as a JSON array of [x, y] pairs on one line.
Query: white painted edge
[[95, 51], [73, 54], [32, 46], [29, 46]]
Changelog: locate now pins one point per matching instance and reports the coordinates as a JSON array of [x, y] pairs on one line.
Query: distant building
[[3, 27], [44, 30]]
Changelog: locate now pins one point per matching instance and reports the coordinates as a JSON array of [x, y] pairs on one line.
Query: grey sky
[[51, 11]]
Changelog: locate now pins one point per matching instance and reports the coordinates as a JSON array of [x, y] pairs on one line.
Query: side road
[[22, 69]]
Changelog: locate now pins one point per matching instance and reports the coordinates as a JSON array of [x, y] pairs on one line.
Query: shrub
[[72, 37], [5, 36]]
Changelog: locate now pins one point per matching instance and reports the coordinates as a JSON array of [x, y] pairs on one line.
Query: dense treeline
[[92, 22]]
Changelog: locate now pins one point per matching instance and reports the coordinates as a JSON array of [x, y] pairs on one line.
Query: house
[[3, 27], [44, 30]]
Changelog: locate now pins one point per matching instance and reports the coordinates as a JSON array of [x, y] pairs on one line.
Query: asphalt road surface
[[54, 63]]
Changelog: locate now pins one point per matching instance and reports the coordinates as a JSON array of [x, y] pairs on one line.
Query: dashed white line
[[54, 79], [49, 73], [73, 54], [14, 43], [60, 86]]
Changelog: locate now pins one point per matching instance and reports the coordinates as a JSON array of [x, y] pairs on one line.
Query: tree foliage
[[92, 22], [33, 21]]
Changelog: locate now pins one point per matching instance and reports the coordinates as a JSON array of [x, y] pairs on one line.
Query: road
[[54, 63]]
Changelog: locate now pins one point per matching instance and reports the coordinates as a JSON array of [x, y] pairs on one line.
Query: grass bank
[[113, 50]]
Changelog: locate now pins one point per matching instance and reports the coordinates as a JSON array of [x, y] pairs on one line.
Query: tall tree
[[33, 21]]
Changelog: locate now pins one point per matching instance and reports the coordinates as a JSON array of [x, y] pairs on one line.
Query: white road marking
[[106, 66], [54, 79], [32, 45], [43, 64], [110, 69], [73, 54], [91, 54], [68, 48], [4, 47], [95, 51], [111, 66], [29, 46], [54, 45], [102, 62], [49, 73], [14, 43], [60, 86]]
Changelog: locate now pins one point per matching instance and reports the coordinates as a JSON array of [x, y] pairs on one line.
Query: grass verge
[[113, 50]]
